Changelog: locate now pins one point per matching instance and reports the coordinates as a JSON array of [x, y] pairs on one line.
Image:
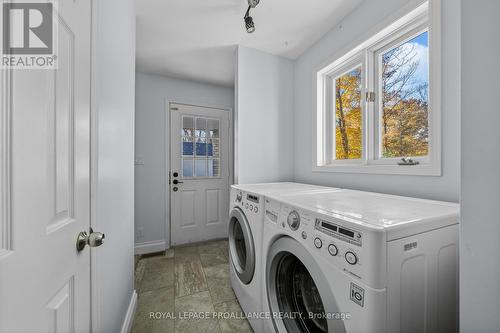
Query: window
[[378, 109], [200, 147]]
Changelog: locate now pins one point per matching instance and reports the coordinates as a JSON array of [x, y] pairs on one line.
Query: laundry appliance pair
[[335, 260]]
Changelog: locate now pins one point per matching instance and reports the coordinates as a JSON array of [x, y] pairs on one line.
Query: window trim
[[409, 19]]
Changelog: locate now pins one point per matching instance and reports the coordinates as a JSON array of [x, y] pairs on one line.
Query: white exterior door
[[199, 173], [45, 186]]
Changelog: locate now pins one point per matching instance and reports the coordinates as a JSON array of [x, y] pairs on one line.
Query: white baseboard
[[150, 247], [129, 317]]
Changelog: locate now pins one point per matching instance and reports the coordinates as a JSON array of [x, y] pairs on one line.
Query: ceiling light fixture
[[249, 25]]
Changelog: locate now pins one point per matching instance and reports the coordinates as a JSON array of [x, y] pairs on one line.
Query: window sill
[[408, 170]]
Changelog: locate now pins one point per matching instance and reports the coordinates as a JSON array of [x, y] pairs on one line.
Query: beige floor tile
[[189, 277], [189, 253], [139, 273], [158, 274], [213, 259], [195, 304], [234, 322], [213, 253], [219, 283], [159, 263], [170, 253], [161, 301], [211, 246]]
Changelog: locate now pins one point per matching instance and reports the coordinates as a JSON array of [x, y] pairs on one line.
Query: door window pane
[[348, 117], [213, 128], [187, 126], [213, 167], [201, 126], [405, 99], [213, 147], [187, 146], [200, 167], [201, 147], [187, 167]]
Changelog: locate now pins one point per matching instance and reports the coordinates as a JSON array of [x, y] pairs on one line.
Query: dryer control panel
[[341, 241], [336, 230], [338, 241]]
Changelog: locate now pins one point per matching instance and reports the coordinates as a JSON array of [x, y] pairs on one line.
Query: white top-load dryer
[[246, 218], [353, 261]]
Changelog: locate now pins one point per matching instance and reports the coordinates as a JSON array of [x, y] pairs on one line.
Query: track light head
[[249, 25], [253, 3]]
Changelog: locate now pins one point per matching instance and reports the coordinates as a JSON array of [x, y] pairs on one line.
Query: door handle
[[177, 182], [95, 239]]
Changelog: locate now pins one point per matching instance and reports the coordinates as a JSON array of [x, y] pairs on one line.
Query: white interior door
[[44, 196], [199, 173]]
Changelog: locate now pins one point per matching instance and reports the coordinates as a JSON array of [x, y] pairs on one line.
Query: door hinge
[[370, 96], [174, 109]]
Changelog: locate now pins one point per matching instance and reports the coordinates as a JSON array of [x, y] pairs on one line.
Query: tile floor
[[187, 279]]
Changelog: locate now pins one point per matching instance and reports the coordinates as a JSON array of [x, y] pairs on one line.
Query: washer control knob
[[239, 197], [318, 243], [256, 209], [351, 258], [293, 220], [251, 207], [332, 249], [246, 205], [304, 235]]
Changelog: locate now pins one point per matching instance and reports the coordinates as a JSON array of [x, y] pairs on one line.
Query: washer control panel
[[248, 202]]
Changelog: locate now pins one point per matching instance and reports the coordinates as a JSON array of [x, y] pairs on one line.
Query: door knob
[[177, 182], [95, 239]]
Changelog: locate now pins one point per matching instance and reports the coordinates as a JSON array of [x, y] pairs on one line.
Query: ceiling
[[196, 39]]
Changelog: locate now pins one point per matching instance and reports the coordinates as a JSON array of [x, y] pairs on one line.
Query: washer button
[[318, 242], [256, 209], [304, 235], [333, 250], [246, 205], [351, 258], [251, 207]]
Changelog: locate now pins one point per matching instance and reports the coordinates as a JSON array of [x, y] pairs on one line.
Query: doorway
[[200, 172]]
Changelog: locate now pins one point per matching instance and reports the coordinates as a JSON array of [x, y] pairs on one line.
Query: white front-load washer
[[352, 261], [246, 218]]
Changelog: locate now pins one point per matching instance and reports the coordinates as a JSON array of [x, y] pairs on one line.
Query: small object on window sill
[[409, 161]]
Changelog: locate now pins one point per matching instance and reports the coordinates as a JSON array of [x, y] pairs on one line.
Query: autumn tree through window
[[348, 117], [404, 97]]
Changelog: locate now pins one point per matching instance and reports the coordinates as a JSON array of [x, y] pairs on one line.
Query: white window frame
[[409, 23]]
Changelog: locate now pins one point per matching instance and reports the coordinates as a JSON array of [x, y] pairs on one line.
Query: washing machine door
[[298, 289], [241, 246]]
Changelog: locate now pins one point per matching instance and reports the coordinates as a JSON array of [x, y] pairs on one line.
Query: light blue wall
[[354, 27], [480, 185], [151, 141], [264, 117]]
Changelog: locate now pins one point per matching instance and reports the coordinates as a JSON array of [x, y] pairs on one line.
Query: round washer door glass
[[297, 294], [241, 248], [298, 287]]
